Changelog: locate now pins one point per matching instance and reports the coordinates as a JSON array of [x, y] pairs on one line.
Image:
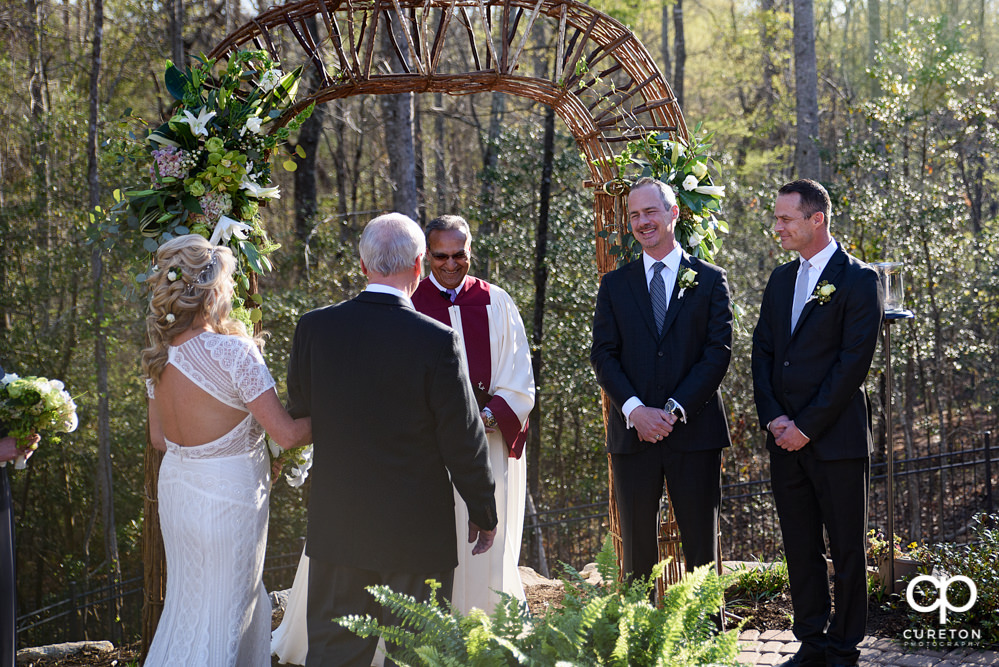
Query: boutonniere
[[687, 280], [823, 292]]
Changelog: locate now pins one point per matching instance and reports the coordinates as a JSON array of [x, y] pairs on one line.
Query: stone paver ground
[[773, 647]]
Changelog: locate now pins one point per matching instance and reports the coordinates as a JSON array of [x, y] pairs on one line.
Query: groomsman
[[662, 342], [394, 424], [812, 349], [499, 366]]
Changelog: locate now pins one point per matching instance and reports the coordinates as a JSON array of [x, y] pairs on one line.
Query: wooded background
[[895, 111]]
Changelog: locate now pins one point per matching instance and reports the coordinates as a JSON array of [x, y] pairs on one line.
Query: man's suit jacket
[[816, 374], [392, 414], [687, 362]]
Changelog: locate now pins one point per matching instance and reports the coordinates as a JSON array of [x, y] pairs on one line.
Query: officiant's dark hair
[[814, 197], [447, 223]]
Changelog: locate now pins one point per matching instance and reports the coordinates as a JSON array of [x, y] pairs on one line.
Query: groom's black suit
[[392, 415], [687, 363], [815, 376]]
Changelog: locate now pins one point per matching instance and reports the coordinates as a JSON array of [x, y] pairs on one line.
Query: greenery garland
[[209, 164], [686, 168]]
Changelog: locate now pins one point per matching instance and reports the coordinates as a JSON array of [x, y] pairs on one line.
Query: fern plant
[[611, 624]]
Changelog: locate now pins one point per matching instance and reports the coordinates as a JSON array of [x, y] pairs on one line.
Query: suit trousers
[[811, 494], [694, 481], [338, 590]]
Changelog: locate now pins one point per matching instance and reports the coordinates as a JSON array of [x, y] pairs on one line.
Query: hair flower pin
[[687, 280], [170, 318], [823, 292], [174, 274]]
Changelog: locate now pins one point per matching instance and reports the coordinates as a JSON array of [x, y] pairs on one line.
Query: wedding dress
[[213, 514]]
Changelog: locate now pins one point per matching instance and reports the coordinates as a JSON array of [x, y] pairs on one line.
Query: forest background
[[904, 132]]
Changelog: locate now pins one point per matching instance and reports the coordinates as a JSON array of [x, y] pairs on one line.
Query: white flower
[[70, 425], [10, 377], [226, 228], [270, 80], [713, 190], [694, 240], [700, 170], [258, 191], [172, 276], [252, 125], [170, 318], [827, 290], [690, 182], [156, 267], [199, 123], [57, 385], [276, 449], [678, 150]]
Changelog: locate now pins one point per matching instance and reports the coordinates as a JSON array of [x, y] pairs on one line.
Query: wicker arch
[[598, 77]]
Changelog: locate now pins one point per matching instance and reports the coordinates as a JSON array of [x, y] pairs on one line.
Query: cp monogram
[[942, 602]]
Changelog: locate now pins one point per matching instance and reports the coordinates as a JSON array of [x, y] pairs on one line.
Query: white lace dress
[[213, 513]]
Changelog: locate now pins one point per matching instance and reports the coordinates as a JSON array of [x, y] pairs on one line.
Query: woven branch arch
[[598, 77]]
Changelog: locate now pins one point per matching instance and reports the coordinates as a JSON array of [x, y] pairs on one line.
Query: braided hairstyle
[[192, 278]]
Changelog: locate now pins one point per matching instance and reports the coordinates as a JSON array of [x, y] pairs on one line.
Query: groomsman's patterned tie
[[800, 293], [657, 290]]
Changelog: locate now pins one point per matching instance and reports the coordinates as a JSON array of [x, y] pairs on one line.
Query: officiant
[[499, 366]]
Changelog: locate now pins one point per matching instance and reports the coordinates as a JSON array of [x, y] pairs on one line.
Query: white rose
[[690, 182], [10, 377], [172, 276], [270, 80], [694, 240], [252, 125], [700, 170], [827, 290], [57, 385]]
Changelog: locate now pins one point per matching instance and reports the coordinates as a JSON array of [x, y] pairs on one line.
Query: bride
[[210, 399]]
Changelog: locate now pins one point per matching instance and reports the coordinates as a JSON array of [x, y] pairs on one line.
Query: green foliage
[[761, 582], [613, 624]]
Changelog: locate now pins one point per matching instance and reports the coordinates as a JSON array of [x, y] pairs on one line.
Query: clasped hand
[[652, 424], [787, 435]]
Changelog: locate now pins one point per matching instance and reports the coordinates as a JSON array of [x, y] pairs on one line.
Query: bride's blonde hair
[[192, 278]]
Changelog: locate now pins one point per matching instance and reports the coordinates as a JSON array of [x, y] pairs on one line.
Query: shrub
[[612, 624], [763, 582]]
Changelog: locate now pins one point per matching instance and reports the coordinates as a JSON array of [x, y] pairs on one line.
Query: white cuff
[[683, 413], [628, 407]]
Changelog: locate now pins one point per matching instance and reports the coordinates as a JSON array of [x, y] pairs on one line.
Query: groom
[[394, 423]]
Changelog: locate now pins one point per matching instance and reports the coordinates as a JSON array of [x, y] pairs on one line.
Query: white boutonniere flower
[[687, 280], [823, 292]]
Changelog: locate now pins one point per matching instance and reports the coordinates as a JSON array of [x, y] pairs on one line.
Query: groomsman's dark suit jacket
[[392, 414], [687, 362], [815, 376]]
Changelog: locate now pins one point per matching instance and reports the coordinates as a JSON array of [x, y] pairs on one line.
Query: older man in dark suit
[[812, 349], [394, 423], [662, 341]]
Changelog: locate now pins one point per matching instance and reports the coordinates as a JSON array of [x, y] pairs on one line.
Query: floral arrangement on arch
[[686, 167], [209, 164]]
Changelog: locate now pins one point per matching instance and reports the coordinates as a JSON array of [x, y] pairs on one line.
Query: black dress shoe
[[797, 660]]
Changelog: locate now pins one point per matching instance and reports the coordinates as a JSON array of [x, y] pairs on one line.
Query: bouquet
[[298, 461], [30, 405]]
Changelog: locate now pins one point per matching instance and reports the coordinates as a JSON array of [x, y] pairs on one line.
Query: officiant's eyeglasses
[[443, 256]]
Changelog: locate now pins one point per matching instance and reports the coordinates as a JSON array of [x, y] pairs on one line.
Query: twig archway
[[598, 77]]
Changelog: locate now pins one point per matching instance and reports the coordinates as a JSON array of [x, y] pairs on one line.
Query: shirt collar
[[671, 260], [388, 289], [457, 290], [822, 257]]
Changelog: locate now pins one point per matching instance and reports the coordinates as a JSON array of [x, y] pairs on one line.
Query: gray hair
[[391, 244], [665, 191], [446, 223]]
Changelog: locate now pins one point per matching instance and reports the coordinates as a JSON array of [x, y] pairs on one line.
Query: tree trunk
[[40, 141], [540, 289], [177, 32], [105, 485], [440, 167], [306, 196], [679, 52], [665, 38], [397, 115], [807, 160]]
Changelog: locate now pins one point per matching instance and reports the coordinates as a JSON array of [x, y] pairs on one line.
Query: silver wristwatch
[[673, 408]]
